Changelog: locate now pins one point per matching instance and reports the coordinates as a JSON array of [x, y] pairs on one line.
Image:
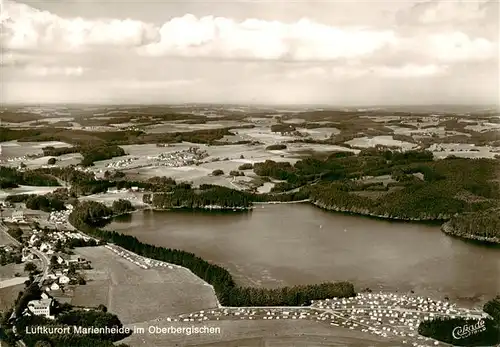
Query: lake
[[291, 244]]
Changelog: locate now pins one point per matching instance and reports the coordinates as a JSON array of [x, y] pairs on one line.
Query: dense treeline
[[33, 292], [98, 153], [480, 225], [246, 166], [124, 137], [47, 203], [275, 147], [12, 178], [51, 151], [191, 198], [225, 288], [282, 128], [492, 307], [451, 330], [121, 206], [438, 193], [84, 183], [44, 203]]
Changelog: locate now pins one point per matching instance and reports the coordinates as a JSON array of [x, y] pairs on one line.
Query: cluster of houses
[[114, 190], [45, 241], [180, 158], [56, 279], [60, 274], [122, 162], [16, 159], [61, 217]]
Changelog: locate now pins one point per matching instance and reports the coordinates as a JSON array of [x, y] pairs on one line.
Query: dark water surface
[[292, 244]]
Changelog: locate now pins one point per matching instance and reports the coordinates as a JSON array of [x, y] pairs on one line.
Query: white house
[[44, 247], [63, 279], [61, 260], [27, 257], [54, 286], [41, 307]]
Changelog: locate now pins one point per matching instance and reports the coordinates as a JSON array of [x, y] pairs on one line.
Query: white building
[[63, 279], [41, 307], [27, 257], [60, 260], [17, 217], [54, 286]]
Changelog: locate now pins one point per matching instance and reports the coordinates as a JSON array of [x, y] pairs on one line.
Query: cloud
[[54, 70], [24, 27], [303, 40], [403, 71], [13, 59], [209, 37], [458, 47], [446, 11]]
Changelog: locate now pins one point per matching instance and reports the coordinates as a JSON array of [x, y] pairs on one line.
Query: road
[[43, 257], [45, 264]]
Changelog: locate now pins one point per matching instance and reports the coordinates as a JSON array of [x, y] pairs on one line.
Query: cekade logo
[[465, 330]]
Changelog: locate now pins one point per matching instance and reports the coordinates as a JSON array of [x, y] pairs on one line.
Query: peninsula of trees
[[388, 184], [479, 226]]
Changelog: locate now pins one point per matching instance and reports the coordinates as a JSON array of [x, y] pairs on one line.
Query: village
[[47, 256]]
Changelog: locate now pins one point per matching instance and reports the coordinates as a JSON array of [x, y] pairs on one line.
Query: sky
[[339, 53]]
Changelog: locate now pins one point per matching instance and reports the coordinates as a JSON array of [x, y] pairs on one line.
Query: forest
[[195, 199], [414, 187], [13, 178], [481, 225], [92, 154], [418, 187], [492, 307], [86, 214], [98, 138]]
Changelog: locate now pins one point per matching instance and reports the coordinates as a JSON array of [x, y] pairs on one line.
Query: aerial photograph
[[247, 173]]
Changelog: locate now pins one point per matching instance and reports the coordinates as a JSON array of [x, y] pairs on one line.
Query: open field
[[26, 190], [366, 142], [241, 333], [8, 271], [137, 294], [349, 130], [226, 158], [19, 149], [12, 282], [8, 295], [108, 198], [5, 239]]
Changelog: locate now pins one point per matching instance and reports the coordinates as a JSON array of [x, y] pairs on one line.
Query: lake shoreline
[[448, 230]]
